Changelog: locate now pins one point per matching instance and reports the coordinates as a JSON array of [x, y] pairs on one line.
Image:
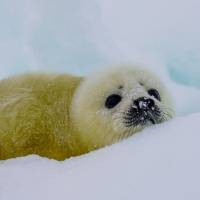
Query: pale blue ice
[[185, 68]]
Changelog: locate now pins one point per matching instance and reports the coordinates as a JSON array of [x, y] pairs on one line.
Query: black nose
[[144, 103]]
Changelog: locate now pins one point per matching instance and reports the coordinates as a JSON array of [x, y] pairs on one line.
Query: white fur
[[99, 126]]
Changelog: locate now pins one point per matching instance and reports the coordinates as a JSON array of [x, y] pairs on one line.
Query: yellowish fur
[[35, 116], [60, 115]]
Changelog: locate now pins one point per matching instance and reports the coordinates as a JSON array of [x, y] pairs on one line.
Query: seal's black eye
[[154, 93], [112, 101]]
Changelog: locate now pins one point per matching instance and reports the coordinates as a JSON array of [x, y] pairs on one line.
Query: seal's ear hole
[[121, 87], [141, 83], [112, 101]]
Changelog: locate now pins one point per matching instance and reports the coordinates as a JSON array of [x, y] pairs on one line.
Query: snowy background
[[79, 36]]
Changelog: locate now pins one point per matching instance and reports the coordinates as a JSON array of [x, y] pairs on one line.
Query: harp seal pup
[[60, 115]]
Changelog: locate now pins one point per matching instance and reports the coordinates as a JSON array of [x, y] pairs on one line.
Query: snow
[[162, 162]]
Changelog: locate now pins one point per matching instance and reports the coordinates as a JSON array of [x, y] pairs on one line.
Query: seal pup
[[60, 115]]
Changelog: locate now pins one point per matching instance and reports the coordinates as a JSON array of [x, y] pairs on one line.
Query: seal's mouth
[[144, 117]]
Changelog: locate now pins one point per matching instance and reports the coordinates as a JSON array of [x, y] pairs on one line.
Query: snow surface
[[162, 162], [77, 36]]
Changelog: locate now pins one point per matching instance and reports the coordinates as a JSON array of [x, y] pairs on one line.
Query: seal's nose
[[144, 103]]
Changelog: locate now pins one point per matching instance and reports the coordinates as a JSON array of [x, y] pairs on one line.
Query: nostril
[[136, 102], [150, 103]]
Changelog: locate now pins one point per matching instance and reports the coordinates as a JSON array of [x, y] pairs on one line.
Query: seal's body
[[59, 115], [34, 116]]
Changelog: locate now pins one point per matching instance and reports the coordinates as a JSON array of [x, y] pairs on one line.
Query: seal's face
[[116, 104]]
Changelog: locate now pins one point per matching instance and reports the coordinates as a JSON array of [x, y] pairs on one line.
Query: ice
[[77, 36], [48, 35], [185, 69], [162, 162]]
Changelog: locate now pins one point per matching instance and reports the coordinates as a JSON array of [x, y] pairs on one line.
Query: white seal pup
[[61, 115]]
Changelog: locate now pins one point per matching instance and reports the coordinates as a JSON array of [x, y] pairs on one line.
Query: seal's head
[[113, 105]]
